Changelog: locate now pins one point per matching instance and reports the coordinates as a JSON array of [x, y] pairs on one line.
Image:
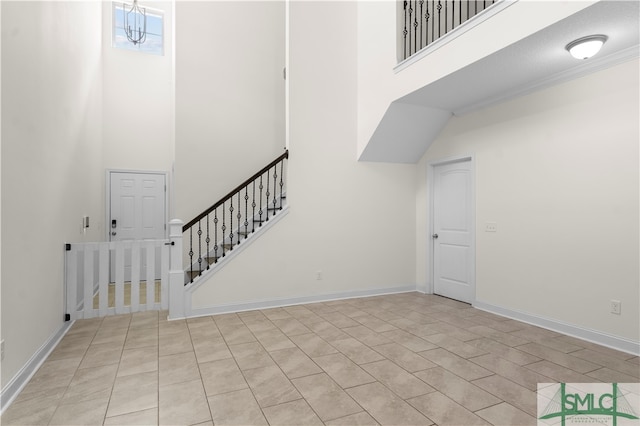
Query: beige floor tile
[[328, 331], [116, 336], [498, 336], [99, 355], [386, 407], [236, 334], [166, 328], [516, 395], [459, 390], [356, 351], [359, 419], [183, 403], [175, 343], [221, 376], [517, 374], [566, 360], [404, 384], [276, 314], [250, 355], [454, 345], [594, 347], [295, 363], [558, 373], [344, 371], [506, 415], [134, 393], [138, 360], [33, 411], [236, 408], [139, 418], [404, 357], [608, 375], [444, 411], [457, 365], [270, 386], [366, 335], [142, 320], [211, 350], [116, 321], [178, 368], [90, 412], [339, 320], [141, 338], [313, 345], [374, 323], [608, 361], [326, 398], [294, 413], [409, 341], [291, 326], [559, 345], [504, 351], [91, 383]]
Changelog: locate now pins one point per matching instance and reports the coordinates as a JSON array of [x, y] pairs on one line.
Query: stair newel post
[[176, 271]]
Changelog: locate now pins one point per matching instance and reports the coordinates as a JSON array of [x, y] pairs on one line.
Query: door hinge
[[67, 247], [67, 317], [284, 73]]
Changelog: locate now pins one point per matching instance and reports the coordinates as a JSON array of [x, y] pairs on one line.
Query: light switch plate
[[491, 227]]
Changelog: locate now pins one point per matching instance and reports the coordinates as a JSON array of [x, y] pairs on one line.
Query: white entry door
[[453, 231], [137, 212]]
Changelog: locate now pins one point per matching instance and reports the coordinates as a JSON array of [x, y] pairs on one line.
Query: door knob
[[435, 236], [113, 232]]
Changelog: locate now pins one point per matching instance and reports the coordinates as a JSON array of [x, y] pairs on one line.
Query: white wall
[[378, 83], [558, 171], [353, 221], [51, 161], [230, 93], [138, 105]]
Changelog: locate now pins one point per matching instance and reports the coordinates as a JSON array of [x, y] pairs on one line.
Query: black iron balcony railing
[[425, 21]]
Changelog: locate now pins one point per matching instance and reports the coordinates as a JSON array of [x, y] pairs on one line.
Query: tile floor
[[404, 359]]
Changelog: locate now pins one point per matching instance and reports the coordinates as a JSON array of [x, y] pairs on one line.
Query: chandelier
[[136, 17]]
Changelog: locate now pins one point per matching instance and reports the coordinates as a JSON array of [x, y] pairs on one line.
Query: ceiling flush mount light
[[586, 47], [135, 16]]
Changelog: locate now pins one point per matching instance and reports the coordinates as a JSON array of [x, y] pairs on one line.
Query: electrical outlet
[[491, 227], [1, 350], [616, 307], [318, 275]]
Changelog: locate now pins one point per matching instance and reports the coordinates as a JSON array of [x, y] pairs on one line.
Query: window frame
[[156, 13]]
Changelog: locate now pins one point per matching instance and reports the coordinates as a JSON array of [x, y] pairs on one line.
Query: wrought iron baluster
[[246, 212], [231, 226], [199, 248], [215, 230], [405, 32], [426, 23], [253, 207], [433, 24], [281, 182], [267, 198], [239, 216], [445, 16], [439, 17], [421, 26], [191, 254], [208, 240], [275, 176], [260, 210], [410, 22], [415, 27], [223, 229]]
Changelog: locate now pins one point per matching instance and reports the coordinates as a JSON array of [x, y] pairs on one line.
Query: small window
[[154, 42]]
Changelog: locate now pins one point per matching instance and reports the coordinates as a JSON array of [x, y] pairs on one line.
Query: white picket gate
[[87, 269]]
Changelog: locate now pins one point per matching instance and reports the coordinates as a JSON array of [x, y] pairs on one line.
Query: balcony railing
[[425, 21]]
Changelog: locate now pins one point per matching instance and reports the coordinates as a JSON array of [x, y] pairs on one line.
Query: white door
[[137, 212], [453, 231]]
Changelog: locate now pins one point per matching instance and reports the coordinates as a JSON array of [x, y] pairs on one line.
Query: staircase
[[213, 237]]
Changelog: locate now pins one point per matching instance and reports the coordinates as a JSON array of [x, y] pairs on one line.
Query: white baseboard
[[594, 336], [20, 380], [277, 303]]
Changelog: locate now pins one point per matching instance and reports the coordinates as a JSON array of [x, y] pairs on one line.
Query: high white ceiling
[[532, 63]]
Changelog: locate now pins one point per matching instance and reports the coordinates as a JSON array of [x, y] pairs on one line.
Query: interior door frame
[[431, 206], [107, 225]]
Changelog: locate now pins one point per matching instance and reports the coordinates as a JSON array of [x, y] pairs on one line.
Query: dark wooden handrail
[[235, 191]]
